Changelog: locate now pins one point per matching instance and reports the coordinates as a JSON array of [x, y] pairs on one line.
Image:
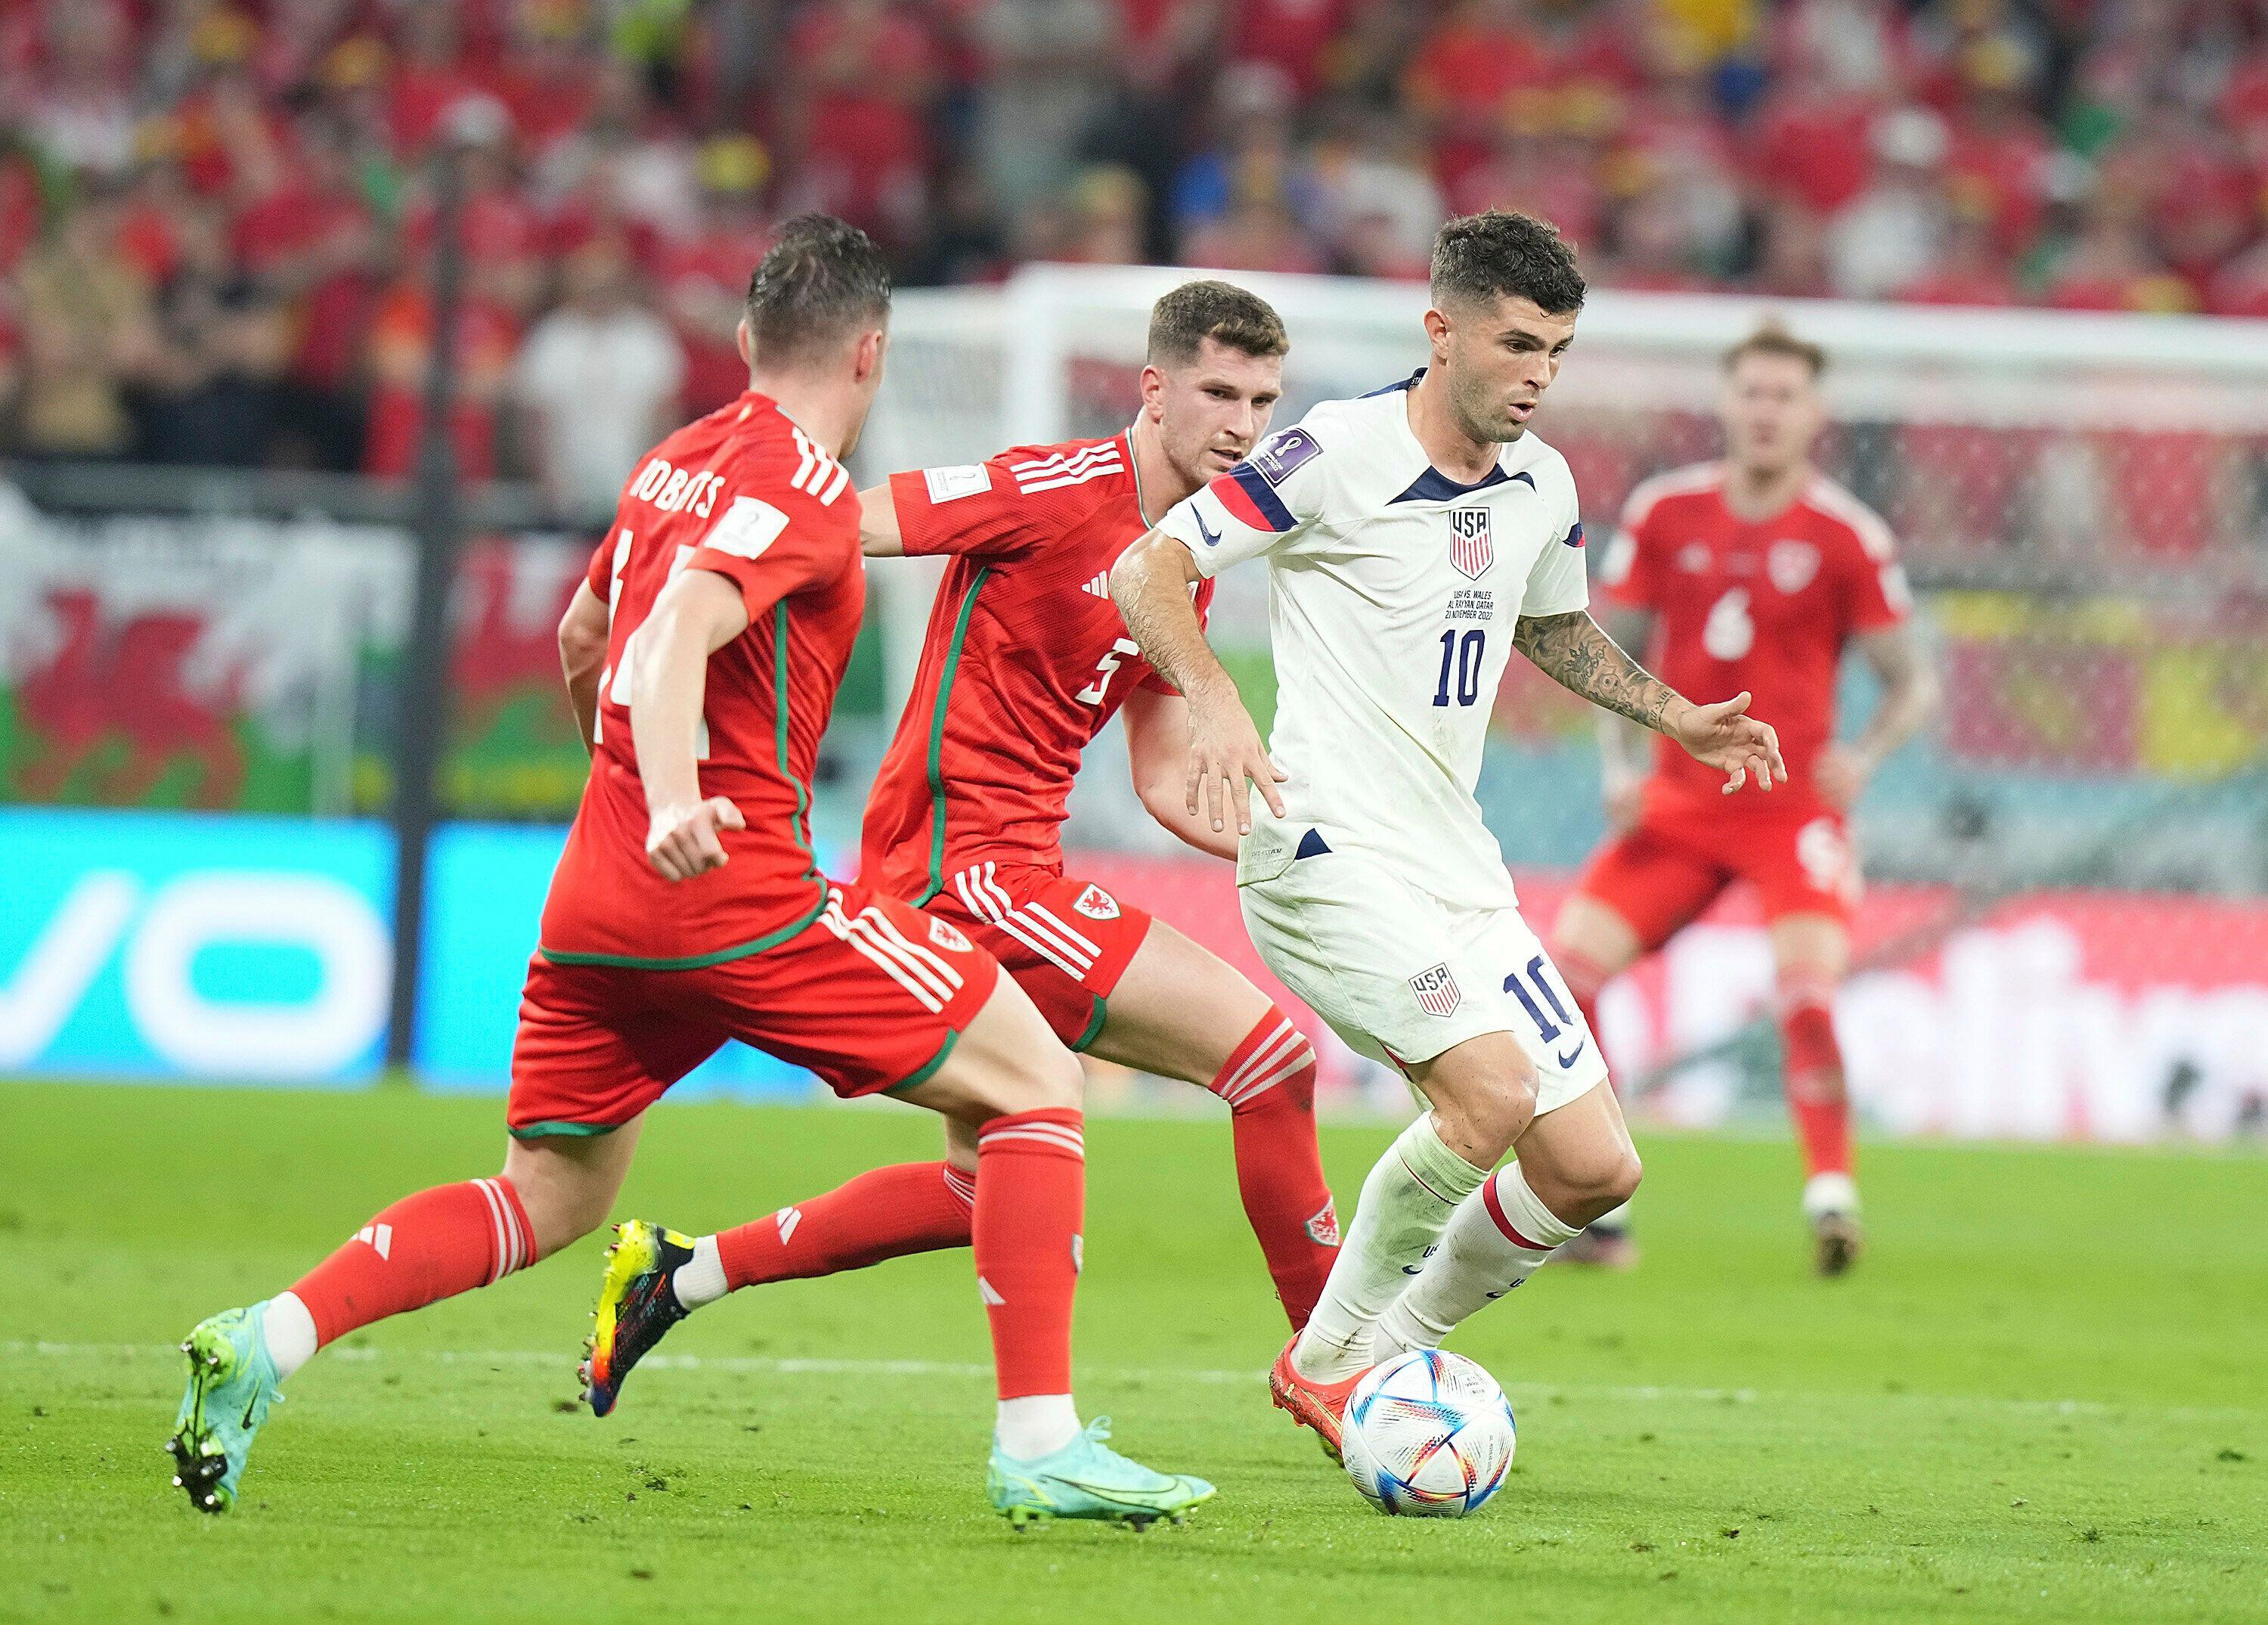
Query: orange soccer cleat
[[1317, 1405]]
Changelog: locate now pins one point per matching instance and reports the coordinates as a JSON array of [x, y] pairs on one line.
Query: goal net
[[2066, 926]]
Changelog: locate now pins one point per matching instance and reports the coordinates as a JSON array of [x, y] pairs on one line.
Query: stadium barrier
[[171, 945]]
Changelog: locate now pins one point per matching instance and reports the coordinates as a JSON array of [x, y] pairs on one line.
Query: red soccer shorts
[[1667, 868], [870, 995], [1066, 942]]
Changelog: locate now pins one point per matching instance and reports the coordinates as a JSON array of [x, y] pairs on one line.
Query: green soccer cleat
[[232, 1382], [1087, 1479], [637, 1305]]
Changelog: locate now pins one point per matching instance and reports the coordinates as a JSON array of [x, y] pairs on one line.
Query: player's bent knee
[[1482, 1125], [1621, 1182], [567, 1186], [1595, 937], [1591, 1186], [1055, 1081], [561, 1213], [1006, 1061]]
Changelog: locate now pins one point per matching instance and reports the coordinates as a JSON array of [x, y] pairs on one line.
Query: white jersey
[[1393, 593]]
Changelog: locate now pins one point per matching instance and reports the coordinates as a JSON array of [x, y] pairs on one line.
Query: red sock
[[1817, 1097], [424, 1248], [1269, 1084], [1031, 1201], [883, 1213]]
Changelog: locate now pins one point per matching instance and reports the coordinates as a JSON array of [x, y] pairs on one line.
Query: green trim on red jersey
[[797, 827], [1093, 1027], [693, 961], [800, 826], [937, 740], [927, 1070], [573, 1131]]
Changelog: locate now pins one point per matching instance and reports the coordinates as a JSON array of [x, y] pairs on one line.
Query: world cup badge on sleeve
[[1470, 547]]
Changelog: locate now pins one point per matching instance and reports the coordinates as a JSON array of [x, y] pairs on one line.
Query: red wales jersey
[[1025, 659], [745, 493], [1766, 606]]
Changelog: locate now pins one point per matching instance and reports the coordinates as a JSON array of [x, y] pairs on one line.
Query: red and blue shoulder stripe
[[1250, 500]]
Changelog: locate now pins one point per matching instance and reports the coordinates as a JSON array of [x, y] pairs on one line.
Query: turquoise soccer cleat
[[232, 1382], [1087, 1479]]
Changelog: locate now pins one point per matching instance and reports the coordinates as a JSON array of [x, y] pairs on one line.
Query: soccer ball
[[1428, 1435]]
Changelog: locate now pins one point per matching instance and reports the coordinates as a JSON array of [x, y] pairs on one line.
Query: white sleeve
[[1556, 582], [1263, 504]]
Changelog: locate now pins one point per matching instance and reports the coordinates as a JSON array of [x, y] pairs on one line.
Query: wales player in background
[[1025, 660], [1414, 539], [703, 655], [1757, 572]]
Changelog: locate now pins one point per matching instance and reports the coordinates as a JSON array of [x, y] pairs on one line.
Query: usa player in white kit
[[1415, 537]]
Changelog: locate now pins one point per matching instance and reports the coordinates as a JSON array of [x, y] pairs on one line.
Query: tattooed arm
[[1573, 652]]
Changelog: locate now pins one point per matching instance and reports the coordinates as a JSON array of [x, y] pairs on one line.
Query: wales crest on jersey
[[1470, 547], [1096, 904]]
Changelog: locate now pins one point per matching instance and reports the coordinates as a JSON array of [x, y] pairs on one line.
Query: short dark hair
[[1478, 256], [1207, 309], [822, 279], [1772, 339]]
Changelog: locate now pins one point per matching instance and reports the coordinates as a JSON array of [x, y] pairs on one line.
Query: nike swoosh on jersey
[[1212, 537]]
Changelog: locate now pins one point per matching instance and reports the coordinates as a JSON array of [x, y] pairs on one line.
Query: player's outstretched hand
[[1727, 738], [1224, 751], [682, 842]]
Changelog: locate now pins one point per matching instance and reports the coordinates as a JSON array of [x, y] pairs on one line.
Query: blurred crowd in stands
[[216, 216]]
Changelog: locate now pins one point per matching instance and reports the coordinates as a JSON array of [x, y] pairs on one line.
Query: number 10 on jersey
[[1468, 652]]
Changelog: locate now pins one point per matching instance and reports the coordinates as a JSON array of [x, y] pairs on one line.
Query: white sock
[[1614, 1219], [1037, 1425], [1493, 1244], [1406, 1201], [1830, 1193], [289, 1331], [701, 1281]]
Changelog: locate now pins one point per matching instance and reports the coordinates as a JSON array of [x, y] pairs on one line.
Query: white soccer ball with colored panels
[[1428, 1435]]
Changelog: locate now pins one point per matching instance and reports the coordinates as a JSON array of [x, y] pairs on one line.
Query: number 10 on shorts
[[1538, 975]]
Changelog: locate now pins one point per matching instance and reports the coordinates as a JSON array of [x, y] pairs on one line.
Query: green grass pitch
[[2043, 1397]]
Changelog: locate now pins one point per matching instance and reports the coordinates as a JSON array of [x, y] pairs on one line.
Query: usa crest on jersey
[[1436, 990], [1470, 549]]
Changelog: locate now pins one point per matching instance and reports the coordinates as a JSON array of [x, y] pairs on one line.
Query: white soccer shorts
[[1402, 975]]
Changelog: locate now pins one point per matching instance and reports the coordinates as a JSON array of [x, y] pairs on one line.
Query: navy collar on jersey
[[1433, 485]]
